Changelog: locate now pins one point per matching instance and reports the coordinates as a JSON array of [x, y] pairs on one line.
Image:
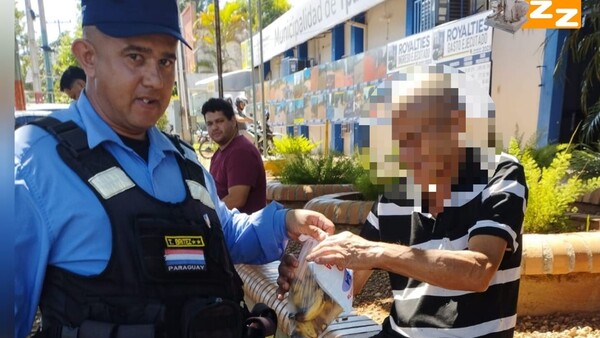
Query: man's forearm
[[237, 196], [233, 202], [456, 270]]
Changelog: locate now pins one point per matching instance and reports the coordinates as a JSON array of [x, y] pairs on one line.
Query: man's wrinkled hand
[[346, 250], [307, 222]]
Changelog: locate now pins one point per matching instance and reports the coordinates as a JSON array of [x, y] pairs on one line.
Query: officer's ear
[[85, 53]]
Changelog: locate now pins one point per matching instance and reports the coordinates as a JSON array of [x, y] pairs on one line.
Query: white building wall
[[321, 46], [515, 81], [276, 67], [385, 23], [515, 75]]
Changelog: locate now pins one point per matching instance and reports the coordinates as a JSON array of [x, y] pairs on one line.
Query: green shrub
[[544, 156], [319, 169], [586, 161], [163, 123], [292, 145], [365, 186], [552, 190], [585, 158]]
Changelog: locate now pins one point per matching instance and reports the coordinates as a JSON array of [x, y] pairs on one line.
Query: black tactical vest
[[169, 273]]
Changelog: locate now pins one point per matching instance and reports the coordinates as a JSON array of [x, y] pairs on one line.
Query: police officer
[[121, 232]]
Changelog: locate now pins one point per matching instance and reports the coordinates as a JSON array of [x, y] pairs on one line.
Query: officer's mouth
[[145, 101]]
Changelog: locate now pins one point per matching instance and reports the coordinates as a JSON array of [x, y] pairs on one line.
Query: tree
[[199, 5], [64, 59], [233, 31], [22, 42], [20, 34], [271, 10], [582, 45]]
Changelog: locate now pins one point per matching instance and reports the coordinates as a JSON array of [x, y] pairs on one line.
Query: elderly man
[[448, 227]]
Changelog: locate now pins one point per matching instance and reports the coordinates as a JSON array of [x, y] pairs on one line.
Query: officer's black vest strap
[[73, 148], [68, 133], [179, 143], [191, 168], [73, 141]]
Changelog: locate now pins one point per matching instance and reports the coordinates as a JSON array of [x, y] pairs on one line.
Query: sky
[[60, 10], [64, 11]]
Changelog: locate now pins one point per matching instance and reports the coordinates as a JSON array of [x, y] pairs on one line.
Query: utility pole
[[182, 90], [262, 78], [33, 53], [255, 119], [47, 50], [19, 90], [218, 41]]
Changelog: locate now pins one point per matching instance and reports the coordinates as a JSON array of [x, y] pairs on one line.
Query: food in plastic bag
[[311, 308]]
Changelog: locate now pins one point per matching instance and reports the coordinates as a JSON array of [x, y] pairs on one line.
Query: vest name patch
[[184, 241]]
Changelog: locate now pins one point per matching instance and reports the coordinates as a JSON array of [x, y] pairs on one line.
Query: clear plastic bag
[[311, 308]]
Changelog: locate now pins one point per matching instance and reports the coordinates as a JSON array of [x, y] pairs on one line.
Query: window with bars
[[430, 13]]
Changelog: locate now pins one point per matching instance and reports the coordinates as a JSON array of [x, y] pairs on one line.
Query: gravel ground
[[376, 299]]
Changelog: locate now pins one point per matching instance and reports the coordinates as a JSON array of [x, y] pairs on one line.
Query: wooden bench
[[260, 285]]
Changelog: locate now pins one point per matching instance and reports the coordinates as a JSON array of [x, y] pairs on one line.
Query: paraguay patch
[[185, 260], [184, 253]]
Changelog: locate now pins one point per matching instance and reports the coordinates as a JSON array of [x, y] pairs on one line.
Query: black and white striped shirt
[[478, 206]]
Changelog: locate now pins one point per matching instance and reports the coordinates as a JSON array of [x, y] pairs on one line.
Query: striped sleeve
[[370, 229], [503, 205]]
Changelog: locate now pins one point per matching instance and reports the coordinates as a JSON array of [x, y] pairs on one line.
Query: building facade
[[322, 58]]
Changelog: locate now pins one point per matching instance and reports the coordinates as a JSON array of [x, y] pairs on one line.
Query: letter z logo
[[564, 14]]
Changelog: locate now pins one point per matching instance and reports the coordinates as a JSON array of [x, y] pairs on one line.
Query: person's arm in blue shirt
[[262, 236], [32, 245]]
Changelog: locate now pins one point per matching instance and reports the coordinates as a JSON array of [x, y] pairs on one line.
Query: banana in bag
[[318, 295]]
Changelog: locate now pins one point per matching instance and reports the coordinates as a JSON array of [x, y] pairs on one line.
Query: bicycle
[[207, 146]]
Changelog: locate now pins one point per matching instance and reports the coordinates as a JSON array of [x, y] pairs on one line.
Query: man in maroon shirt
[[236, 166]]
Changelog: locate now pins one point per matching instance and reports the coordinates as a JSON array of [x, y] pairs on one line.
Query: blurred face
[[129, 79], [427, 133], [221, 129]]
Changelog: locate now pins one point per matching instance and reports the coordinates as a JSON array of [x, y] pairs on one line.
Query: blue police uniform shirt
[[61, 222]]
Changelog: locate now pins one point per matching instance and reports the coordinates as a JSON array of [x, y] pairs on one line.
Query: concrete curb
[[296, 195]]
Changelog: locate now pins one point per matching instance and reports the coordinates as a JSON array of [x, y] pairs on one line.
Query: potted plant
[[284, 148], [305, 176]]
